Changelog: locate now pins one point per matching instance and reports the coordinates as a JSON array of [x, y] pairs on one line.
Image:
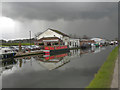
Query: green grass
[[15, 44], [103, 78]]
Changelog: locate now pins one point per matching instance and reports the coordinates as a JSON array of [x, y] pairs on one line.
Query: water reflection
[[67, 70], [50, 62], [54, 62], [8, 64]]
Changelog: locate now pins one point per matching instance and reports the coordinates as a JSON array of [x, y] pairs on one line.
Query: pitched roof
[[49, 38], [59, 32]]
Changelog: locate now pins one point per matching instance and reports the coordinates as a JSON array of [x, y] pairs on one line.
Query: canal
[[67, 70]]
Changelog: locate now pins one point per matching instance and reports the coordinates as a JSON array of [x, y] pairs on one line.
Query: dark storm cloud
[[54, 11], [94, 19]]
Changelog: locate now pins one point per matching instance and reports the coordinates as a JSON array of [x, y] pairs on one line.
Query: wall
[[66, 40], [49, 33]]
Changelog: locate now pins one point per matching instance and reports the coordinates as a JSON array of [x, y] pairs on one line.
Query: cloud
[[51, 11], [94, 19], [60, 0]]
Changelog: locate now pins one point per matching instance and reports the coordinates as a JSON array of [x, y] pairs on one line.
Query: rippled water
[[67, 70]]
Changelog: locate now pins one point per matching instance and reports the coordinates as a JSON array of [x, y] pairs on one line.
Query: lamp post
[[30, 38]]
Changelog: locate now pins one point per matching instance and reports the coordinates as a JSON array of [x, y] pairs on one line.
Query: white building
[[99, 40], [51, 34], [55, 33], [74, 43]]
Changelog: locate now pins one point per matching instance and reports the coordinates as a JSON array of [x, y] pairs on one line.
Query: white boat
[[92, 45], [6, 53]]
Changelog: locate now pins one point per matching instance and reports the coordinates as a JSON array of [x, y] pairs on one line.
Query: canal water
[[67, 70]]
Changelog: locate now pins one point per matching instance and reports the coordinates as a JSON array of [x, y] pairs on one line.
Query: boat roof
[[6, 48]]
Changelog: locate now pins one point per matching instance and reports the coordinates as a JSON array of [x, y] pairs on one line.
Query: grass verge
[[103, 78], [15, 44]]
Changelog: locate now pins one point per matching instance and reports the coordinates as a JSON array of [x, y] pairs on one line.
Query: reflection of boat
[[6, 53], [51, 58], [53, 65], [7, 64], [4, 69], [55, 61]]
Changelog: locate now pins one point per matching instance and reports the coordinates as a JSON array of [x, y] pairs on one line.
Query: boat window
[[56, 43], [5, 50], [48, 44], [61, 43], [41, 44]]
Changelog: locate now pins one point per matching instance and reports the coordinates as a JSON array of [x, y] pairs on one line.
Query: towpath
[[114, 83], [116, 76]]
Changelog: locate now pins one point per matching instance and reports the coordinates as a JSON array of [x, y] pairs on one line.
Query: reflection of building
[[53, 62], [96, 50], [56, 61], [74, 53], [79, 52]]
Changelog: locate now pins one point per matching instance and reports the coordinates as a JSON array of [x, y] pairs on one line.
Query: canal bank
[[21, 54], [104, 76]]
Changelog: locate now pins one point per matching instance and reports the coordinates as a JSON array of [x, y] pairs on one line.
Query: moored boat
[[53, 50], [6, 53], [85, 46]]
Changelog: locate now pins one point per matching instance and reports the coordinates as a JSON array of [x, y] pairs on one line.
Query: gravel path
[[114, 83]]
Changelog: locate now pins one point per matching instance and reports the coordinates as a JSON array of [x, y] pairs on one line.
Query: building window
[[70, 43], [41, 44], [75, 44]]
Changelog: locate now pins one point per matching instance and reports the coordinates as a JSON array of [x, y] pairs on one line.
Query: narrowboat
[[53, 50], [6, 53]]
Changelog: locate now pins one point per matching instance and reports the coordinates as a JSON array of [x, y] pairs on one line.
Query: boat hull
[[6, 56], [55, 52]]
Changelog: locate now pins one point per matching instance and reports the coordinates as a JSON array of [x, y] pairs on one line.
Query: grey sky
[[59, 0], [94, 19]]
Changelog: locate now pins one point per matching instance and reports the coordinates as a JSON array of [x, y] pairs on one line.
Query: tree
[[74, 36], [116, 39], [85, 37]]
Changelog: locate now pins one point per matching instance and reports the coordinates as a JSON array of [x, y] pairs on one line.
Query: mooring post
[[20, 47]]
